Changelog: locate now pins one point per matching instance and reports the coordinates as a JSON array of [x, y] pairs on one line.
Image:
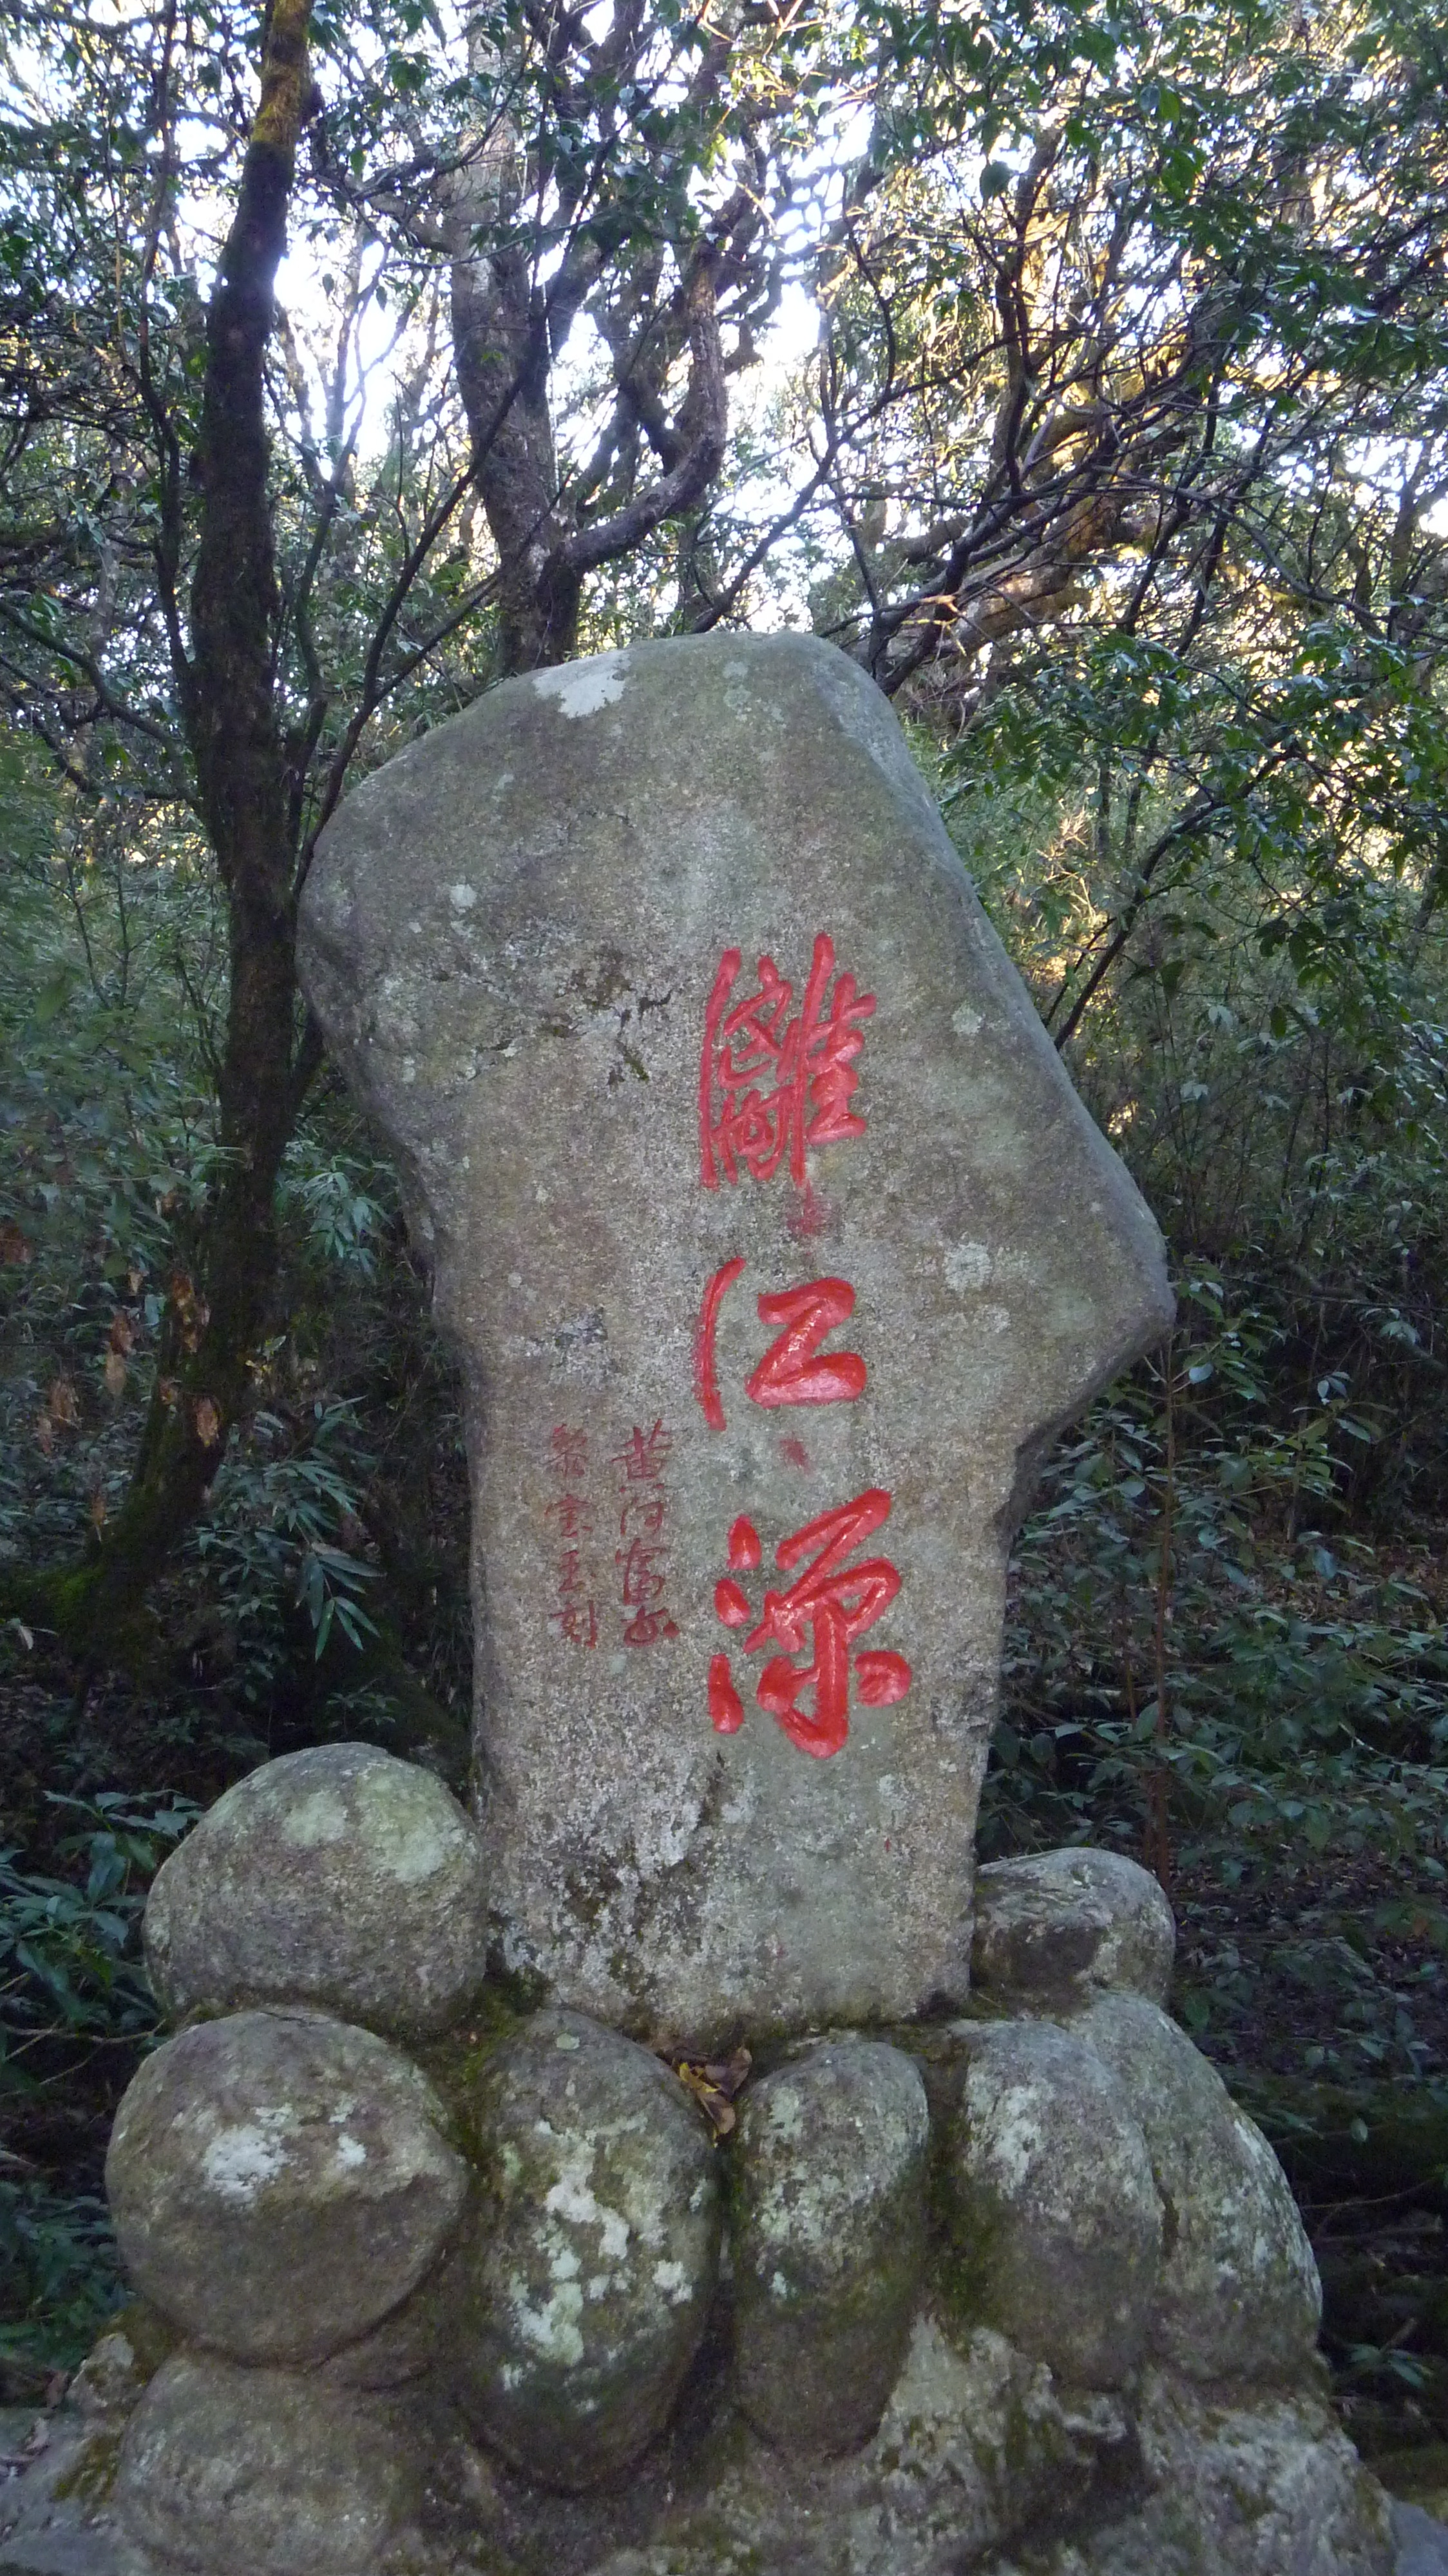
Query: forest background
[[1081, 367]]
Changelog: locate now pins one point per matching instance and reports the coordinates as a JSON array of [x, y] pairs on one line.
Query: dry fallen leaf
[[122, 1335], [115, 1372], [208, 1422], [714, 2084], [98, 1509]]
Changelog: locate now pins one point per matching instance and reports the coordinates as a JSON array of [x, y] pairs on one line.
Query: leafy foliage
[[70, 1968]]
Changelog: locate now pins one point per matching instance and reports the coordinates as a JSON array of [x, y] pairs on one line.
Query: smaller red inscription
[[569, 1454], [642, 1525], [573, 1616], [644, 1455]]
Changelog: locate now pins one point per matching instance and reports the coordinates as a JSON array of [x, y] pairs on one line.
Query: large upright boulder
[[775, 1245]]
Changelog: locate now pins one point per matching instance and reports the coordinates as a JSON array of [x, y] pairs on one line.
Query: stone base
[[1021, 2291], [981, 2462]]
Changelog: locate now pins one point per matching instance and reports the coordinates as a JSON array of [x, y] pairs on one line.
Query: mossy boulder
[[586, 2282], [280, 2182], [338, 1877], [264, 2473], [1239, 2295], [1052, 2214], [1266, 2488], [1058, 1928], [828, 2235]]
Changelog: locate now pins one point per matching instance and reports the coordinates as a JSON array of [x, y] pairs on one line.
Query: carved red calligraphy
[[574, 1614], [793, 1370], [772, 1080], [643, 1556], [829, 1605]]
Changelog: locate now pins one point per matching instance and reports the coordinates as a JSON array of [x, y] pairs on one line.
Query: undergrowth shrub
[[73, 1991]]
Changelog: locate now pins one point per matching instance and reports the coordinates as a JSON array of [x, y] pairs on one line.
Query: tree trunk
[[215, 1318], [501, 348]]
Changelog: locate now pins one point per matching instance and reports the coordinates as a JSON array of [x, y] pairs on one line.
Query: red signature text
[[574, 1615], [643, 1556]]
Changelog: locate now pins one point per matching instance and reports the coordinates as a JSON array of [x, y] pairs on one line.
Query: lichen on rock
[[337, 1877], [1239, 2295], [1053, 2218], [588, 2275], [827, 2240], [279, 2182]]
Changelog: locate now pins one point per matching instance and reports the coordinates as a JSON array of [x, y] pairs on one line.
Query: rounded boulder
[[263, 2472], [589, 2272], [1055, 2223], [1058, 1928], [827, 2241], [338, 1877], [1239, 2296], [279, 2183]]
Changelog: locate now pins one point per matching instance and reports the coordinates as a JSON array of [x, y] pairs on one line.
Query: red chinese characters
[[773, 1081], [793, 1370], [574, 1615], [642, 1558], [829, 1605]]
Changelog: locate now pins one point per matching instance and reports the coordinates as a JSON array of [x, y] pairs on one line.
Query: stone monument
[[677, 2168], [776, 1245]]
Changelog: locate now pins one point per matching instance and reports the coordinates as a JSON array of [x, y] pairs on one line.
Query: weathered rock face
[[1239, 2296], [1056, 2224], [1271, 2489], [775, 1244], [1062, 1927], [280, 2182], [264, 2473], [828, 2241], [588, 2281], [337, 1877]]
